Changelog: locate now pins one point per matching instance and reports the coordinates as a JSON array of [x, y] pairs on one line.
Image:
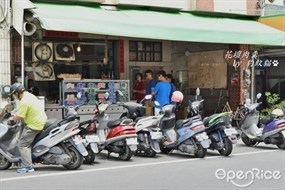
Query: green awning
[[179, 26]]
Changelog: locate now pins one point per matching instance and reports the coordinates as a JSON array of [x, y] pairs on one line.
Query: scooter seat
[[137, 119], [113, 123], [267, 119], [206, 120], [181, 122], [51, 124]]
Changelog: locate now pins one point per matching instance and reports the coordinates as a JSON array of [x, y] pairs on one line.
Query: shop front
[[77, 43]]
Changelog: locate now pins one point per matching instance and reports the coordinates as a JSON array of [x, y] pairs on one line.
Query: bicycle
[[238, 114]]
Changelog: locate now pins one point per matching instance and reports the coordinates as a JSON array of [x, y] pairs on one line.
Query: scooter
[[269, 130], [56, 144], [186, 135], [118, 136], [147, 127], [221, 132]]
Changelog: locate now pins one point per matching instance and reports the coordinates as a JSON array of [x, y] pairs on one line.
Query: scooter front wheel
[[89, 159], [247, 141], [281, 145], [201, 151], [76, 159], [163, 149], [4, 163], [127, 154]]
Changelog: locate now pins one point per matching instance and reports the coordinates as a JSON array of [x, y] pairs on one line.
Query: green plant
[[272, 101]]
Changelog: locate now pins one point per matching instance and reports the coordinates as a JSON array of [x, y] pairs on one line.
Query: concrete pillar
[[5, 58]]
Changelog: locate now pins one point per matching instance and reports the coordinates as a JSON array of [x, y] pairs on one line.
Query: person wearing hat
[[30, 110]]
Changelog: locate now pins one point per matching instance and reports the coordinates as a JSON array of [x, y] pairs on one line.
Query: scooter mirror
[[156, 103], [148, 97], [258, 95], [197, 91], [106, 95], [120, 93]]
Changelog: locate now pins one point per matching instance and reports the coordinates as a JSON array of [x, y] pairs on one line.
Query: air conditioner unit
[[64, 52], [42, 52]]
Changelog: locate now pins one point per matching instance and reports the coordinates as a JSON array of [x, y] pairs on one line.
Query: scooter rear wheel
[[228, 147], [4, 163], [76, 159], [127, 154], [247, 141]]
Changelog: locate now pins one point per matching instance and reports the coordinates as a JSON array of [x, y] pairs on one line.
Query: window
[[145, 51]]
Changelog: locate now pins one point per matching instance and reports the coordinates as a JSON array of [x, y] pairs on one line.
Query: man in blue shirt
[[150, 81], [161, 91], [170, 79]]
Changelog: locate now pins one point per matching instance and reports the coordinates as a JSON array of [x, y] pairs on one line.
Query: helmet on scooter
[[177, 96], [278, 112], [16, 88]]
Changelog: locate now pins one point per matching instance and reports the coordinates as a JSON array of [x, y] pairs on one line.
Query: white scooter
[[56, 144], [147, 128]]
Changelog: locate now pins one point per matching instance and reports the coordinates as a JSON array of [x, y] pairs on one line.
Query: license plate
[[156, 135], [92, 138], [230, 132], [283, 133], [77, 139], [131, 141]]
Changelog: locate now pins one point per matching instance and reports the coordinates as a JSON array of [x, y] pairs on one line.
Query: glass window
[[145, 51]]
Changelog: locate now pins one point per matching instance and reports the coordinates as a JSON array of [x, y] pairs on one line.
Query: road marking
[[127, 166]]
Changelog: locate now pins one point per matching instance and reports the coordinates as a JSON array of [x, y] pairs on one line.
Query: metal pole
[[22, 59], [252, 90]]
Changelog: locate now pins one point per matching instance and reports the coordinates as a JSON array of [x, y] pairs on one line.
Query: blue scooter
[[186, 135]]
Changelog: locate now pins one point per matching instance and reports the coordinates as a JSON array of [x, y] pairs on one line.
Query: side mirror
[[197, 91], [120, 93], [148, 97], [156, 103], [258, 95], [106, 95]]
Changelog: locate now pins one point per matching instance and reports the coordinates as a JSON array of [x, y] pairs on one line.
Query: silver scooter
[[147, 127], [56, 144], [269, 130]]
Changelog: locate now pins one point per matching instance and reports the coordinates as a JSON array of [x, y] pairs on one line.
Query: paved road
[[261, 167]]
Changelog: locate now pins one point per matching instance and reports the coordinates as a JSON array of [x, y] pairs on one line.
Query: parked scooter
[[118, 136], [186, 135], [86, 134], [147, 127], [270, 130], [221, 132], [56, 144]]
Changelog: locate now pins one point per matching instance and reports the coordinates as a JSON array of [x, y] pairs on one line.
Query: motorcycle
[[56, 144], [270, 130], [186, 135], [118, 136], [147, 127], [221, 132]]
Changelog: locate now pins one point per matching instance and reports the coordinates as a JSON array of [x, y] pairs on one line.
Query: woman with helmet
[[29, 109]]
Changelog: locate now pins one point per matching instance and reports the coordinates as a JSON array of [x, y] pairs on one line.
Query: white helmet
[[177, 96], [278, 112]]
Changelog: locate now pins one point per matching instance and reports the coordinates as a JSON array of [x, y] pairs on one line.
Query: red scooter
[[118, 136]]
